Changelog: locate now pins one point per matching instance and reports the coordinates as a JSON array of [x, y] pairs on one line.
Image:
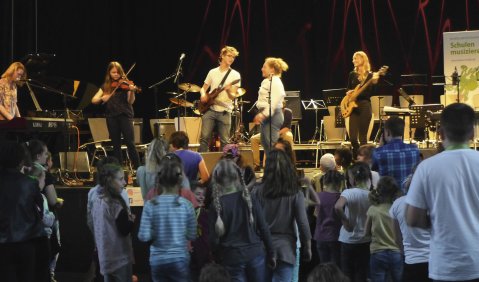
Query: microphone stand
[[34, 98], [66, 134], [455, 81], [154, 86]]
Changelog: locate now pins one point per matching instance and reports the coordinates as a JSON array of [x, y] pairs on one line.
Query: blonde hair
[[366, 65], [226, 50], [112, 65], [157, 149], [12, 69], [278, 64]]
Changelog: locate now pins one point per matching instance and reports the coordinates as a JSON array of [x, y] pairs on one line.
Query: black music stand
[[333, 97], [316, 105], [418, 118]]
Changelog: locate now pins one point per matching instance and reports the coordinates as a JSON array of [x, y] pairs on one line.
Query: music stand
[[418, 118], [316, 105], [333, 97]]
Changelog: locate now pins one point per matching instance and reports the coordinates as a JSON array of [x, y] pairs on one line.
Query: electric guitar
[[349, 101], [203, 107]]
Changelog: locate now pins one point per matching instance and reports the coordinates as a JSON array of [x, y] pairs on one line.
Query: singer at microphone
[[15, 73], [270, 101], [178, 68]]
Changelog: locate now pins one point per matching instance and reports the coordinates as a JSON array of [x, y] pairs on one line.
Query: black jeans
[[359, 125], [355, 261], [417, 272], [118, 126]]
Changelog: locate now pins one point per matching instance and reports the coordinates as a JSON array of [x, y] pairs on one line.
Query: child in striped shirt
[[167, 223]]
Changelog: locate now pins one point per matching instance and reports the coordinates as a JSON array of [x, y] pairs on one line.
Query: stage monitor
[[293, 102]]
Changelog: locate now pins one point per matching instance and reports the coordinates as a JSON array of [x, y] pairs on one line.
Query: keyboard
[[40, 124]]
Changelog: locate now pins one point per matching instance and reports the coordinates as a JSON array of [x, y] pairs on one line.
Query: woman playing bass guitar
[[360, 116]]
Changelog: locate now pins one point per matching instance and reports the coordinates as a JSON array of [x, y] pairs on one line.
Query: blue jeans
[[276, 121], [384, 262], [174, 271], [282, 273], [222, 120], [253, 270]]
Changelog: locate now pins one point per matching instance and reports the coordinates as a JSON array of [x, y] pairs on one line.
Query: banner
[[461, 57]]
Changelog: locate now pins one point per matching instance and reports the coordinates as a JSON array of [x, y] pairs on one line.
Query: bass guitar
[[203, 107], [349, 101]]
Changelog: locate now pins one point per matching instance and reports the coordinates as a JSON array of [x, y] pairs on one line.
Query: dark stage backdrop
[[315, 37]]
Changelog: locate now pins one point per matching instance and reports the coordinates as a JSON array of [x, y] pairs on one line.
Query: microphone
[[178, 68], [24, 79]]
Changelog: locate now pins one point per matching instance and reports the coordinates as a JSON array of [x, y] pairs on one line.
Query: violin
[[125, 84]]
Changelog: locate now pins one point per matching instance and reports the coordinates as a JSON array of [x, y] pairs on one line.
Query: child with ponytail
[[328, 223], [385, 253], [352, 207], [168, 221], [238, 229]]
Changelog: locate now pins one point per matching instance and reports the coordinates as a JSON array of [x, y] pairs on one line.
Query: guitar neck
[[361, 89]]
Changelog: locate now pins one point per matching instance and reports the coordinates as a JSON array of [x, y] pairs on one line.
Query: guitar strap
[[224, 78]]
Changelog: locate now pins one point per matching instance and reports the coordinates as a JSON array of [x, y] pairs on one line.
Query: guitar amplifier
[[293, 102]]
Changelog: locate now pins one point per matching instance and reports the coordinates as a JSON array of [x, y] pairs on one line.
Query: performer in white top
[[217, 109], [272, 84]]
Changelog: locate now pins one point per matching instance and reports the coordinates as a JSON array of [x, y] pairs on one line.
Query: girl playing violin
[[118, 95]]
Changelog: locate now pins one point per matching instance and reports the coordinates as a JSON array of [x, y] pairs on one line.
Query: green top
[[382, 229]]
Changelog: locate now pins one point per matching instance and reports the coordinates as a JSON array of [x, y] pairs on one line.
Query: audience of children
[[251, 237]]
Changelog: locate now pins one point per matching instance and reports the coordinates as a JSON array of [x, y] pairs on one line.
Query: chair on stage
[[101, 138], [332, 134]]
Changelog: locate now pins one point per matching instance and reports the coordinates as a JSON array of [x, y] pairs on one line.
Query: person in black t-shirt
[[118, 95], [361, 115]]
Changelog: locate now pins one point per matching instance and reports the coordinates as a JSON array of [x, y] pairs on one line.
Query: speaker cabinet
[[293, 102], [192, 127], [162, 127], [212, 158], [74, 161]]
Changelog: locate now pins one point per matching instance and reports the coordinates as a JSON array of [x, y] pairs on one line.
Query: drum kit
[[237, 131]]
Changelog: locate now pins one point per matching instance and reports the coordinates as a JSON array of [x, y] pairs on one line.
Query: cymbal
[[181, 102], [189, 87], [240, 92], [172, 93]]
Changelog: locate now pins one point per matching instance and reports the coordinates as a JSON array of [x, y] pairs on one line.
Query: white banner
[[461, 53]]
